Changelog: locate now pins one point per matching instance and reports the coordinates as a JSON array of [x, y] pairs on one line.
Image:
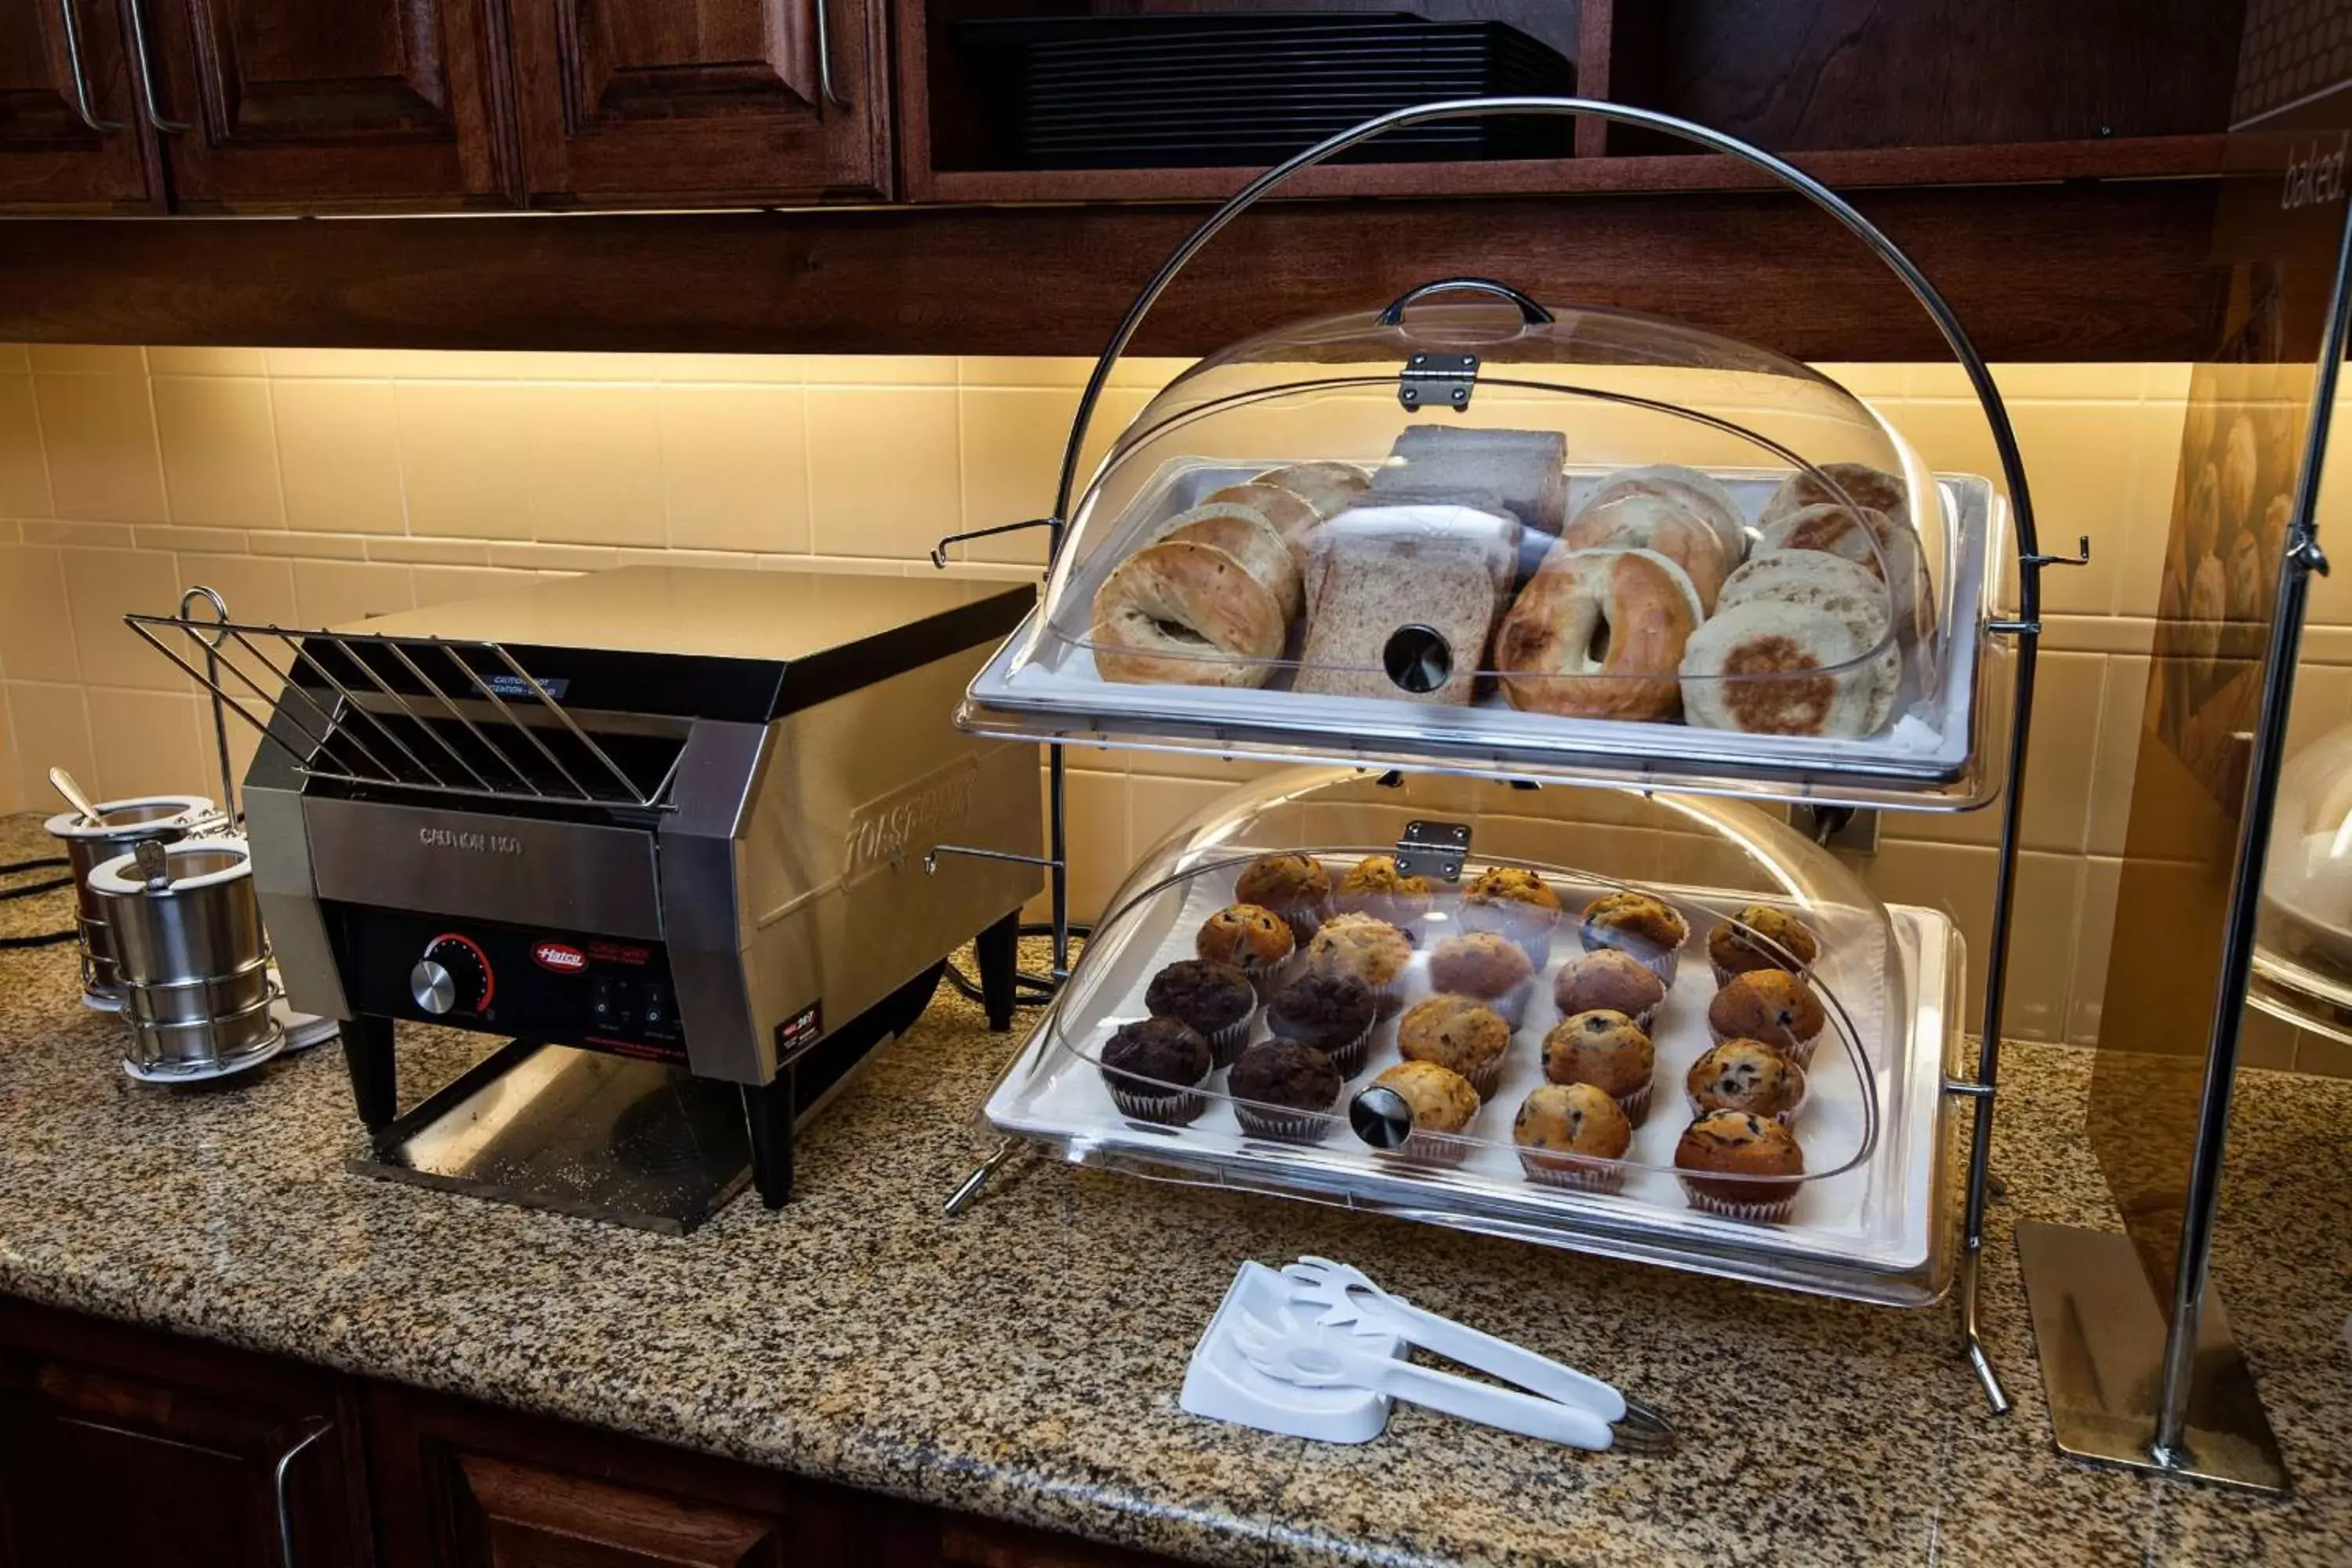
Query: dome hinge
[[1437, 381]]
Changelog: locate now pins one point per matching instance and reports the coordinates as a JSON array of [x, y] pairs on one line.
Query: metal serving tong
[[1562, 1403]]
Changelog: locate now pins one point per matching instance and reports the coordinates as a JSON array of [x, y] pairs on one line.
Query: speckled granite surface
[[1024, 1360]]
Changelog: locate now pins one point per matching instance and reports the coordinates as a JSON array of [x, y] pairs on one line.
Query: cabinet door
[[330, 104], [119, 1448], [51, 156], [702, 102]]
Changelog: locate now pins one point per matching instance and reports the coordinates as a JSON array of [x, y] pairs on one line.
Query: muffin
[[1153, 1069], [1512, 901], [1215, 999], [1443, 1103], [1770, 1005], [1254, 940], [1761, 937], [1374, 886], [1294, 887], [1606, 978], [1646, 928], [1373, 951], [1725, 1158], [1332, 1013], [1565, 1131], [1457, 1032], [1746, 1075], [1494, 969], [1285, 1091], [1608, 1050]]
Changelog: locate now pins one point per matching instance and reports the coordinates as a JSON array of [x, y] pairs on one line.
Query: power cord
[[1028, 990], [18, 867]]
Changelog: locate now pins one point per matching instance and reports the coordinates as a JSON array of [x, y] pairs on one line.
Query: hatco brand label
[[2312, 176], [562, 958], [469, 840]]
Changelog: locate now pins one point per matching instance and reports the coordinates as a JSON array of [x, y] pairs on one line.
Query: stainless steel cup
[[122, 827], [194, 964]]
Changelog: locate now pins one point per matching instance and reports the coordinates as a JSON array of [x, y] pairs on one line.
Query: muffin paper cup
[[1283, 1126], [1636, 1105], [1774, 1213], [1664, 964], [1304, 921], [1350, 1057], [1798, 1052], [1511, 1006], [1486, 1079], [1268, 978], [1438, 1149], [1724, 977], [1226, 1044], [1573, 1172], [1388, 998], [1170, 1108]]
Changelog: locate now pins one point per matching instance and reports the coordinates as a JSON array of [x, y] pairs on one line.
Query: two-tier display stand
[[2023, 629]]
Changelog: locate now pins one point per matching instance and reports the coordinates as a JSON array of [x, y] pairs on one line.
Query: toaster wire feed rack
[[2022, 630]]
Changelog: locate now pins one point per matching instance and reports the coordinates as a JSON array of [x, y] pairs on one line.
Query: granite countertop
[[1024, 1360]]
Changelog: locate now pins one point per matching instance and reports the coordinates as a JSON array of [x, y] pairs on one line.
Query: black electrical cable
[[17, 868], [1028, 990]]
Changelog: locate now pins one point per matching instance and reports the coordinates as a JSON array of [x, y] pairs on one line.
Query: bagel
[[1863, 486], [1329, 488], [1244, 533], [1291, 515], [1812, 578], [1597, 634], [1703, 493], [1182, 613], [1771, 669], [1642, 519], [1886, 548]]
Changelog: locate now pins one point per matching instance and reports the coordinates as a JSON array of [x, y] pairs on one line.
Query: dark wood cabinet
[[116, 1450], [70, 138], [359, 103], [707, 102]]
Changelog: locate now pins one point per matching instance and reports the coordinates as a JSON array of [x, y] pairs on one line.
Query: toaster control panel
[[570, 987]]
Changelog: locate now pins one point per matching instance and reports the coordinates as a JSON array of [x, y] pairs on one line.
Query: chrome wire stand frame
[[2025, 629]]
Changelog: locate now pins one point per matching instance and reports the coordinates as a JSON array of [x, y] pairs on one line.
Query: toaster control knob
[[452, 975]]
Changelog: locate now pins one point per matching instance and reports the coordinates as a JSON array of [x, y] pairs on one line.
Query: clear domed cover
[[1489, 535], [1479, 995], [2303, 936]]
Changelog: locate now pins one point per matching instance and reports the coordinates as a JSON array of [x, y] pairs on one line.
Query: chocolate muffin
[[1374, 886], [1457, 1032], [1254, 940], [1332, 1013], [1294, 887], [1512, 901], [1286, 1090], [1373, 951], [1214, 998], [1153, 1069], [1646, 928], [1770, 1005], [1746, 1075], [1566, 1133], [1443, 1104], [1606, 978], [1608, 1050], [1761, 936], [1494, 969], [1727, 1161]]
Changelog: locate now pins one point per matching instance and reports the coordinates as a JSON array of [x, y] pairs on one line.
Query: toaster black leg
[[375, 1082], [768, 1109], [998, 950]]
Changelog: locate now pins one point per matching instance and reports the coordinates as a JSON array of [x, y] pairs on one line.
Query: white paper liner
[[1798, 1052], [1574, 1172], [1170, 1107], [1665, 964], [1776, 1212], [1283, 1126]]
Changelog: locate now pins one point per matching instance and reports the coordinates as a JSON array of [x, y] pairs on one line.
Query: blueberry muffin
[[1153, 1069], [1494, 969], [1285, 1091], [1770, 1005], [1606, 978], [1374, 886], [1254, 940], [1746, 1075], [1214, 998], [1332, 1013], [1443, 1104], [1643, 928], [1512, 901], [1294, 887], [1373, 950], [1608, 1050], [1761, 937], [1729, 1161], [1457, 1032], [1566, 1132]]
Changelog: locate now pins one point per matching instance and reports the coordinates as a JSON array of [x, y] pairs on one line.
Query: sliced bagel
[[1184, 613], [1767, 667], [1659, 519], [1249, 537], [1811, 577], [1704, 493]]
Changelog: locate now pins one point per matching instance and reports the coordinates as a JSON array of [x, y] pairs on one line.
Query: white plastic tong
[[1561, 1405]]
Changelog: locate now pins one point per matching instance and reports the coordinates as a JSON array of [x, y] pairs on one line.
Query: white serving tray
[[1878, 1232], [1044, 687]]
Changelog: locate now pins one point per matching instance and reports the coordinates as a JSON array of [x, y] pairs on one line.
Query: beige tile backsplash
[[320, 486]]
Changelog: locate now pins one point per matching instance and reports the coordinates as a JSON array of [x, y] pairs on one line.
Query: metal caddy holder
[[2025, 630]]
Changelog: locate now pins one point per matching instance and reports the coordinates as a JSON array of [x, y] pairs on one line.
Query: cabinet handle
[[825, 60], [139, 53], [80, 78], [314, 1428]]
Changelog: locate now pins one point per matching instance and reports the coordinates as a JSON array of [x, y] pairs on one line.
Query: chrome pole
[[2192, 1264]]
